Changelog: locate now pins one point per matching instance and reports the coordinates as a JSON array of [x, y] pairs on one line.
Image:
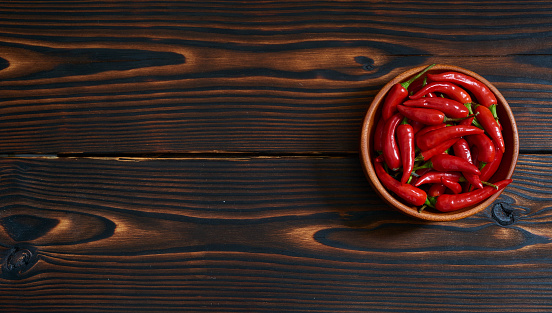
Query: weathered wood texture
[[275, 215], [271, 76], [261, 234]]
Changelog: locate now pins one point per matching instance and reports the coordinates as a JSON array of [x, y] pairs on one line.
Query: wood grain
[[266, 77], [260, 234]]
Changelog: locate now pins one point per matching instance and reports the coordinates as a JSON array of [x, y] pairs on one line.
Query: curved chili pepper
[[450, 107], [486, 119], [409, 193], [490, 168], [447, 162], [429, 128], [390, 148], [416, 174], [397, 94], [455, 187], [405, 136], [481, 92], [378, 136], [434, 137], [434, 177], [448, 203], [436, 190], [485, 147], [425, 115], [438, 149], [462, 149], [451, 90]]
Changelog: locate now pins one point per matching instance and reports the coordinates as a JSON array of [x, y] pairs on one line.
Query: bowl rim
[[366, 154]]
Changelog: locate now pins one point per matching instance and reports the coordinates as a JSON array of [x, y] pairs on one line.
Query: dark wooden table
[[192, 156]]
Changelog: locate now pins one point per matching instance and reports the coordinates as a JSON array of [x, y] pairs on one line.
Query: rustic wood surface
[[191, 156]]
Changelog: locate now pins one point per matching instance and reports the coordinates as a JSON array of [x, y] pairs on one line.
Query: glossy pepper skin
[[452, 185], [412, 195], [405, 137], [447, 162], [397, 94], [487, 120], [451, 90], [429, 128], [426, 155], [425, 115], [434, 177], [391, 151], [449, 107], [481, 92], [436, 190], [485, 147], [434, 137], [462, 149], [449, 203], [490, 168]]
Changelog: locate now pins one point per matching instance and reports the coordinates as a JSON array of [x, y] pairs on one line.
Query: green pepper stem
[[489, 184], [492, 108], [428, 164], [407, 83], [448, 119]]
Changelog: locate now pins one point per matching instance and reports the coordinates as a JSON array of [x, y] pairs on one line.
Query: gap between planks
[[211, 155]]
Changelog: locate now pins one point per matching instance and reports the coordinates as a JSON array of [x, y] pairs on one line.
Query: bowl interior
[[505, 170]]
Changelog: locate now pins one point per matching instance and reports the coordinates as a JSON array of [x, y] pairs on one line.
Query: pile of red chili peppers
[[439, 141]]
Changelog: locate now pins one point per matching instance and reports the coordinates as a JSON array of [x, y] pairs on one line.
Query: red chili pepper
[[485, 147], [451, 108], [462, 149], [425, 116], [416, 125], [455, 187], [409, 193], [448, 203], [474, 155], [378, 136], [451, 90], [417, 174], [434, 177], [429, 128], [390, 148], [434, 137], [397, 94], [438, 149], [490, 168], [447, 162], [481, 92], [436, 190], [405, 136], [486, 119]]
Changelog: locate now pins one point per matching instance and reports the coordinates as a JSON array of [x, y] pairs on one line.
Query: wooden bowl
[[505, 170]]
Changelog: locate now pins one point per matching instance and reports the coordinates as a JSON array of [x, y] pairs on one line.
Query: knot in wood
[[17, 262], [366, 62], [503, 213]]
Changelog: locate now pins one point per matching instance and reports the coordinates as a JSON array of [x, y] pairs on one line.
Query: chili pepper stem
[[492, 108], [421, 209], [490, 184], [448, 119], [407, 83], [428, 164]]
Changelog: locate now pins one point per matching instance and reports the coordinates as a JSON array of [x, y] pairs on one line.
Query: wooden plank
[[272, 77], [260, 234], [271, 112]]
